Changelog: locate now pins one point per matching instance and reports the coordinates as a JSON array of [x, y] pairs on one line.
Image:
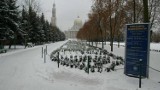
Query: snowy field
[[24, 69]]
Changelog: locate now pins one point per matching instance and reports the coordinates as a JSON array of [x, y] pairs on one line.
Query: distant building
[[72, 32], [53, 18]]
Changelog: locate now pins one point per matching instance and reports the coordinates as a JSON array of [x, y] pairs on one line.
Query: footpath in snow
[[25, 70]]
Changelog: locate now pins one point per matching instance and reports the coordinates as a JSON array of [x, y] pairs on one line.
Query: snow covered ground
[[24, 69]]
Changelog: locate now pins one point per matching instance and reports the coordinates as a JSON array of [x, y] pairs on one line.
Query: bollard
[[44, 55], [46, 49], [42, 52]]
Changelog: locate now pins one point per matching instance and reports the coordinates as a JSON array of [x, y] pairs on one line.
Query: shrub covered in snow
[[75, 54]]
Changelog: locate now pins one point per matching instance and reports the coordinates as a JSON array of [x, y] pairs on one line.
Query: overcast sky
[[66, 11]]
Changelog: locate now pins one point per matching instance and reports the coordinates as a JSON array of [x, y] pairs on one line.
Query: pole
[[140, 73], [46, 49], [58, 60], [44, 55], [42, 52], [88, 64]]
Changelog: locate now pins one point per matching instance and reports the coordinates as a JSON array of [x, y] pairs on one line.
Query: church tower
[[53, 18]]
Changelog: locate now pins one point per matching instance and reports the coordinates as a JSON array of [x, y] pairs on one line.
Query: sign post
[[137, 47], [140, 77]]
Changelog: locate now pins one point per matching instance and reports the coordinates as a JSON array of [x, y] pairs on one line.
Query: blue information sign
[[137, 48]]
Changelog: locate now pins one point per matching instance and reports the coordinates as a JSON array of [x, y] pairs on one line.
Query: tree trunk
[[102, 41], [134, 10], [102, 44], [10, 44], [111, 43], [118, 41], [145, 13], [15, 41], [96, 43]]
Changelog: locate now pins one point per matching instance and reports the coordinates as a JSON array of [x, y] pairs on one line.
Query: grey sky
[[67, 11]]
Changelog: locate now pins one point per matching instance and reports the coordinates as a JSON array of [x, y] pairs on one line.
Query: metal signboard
[[137, 49]]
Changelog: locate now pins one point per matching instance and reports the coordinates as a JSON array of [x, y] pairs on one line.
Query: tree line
[[108, 18], [26, 24]]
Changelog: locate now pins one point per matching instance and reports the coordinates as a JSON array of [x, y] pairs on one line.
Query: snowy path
[[26, 70], [18, 70]]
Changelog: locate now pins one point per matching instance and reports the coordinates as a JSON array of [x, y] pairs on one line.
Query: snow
[[24, 69], [155, 46]]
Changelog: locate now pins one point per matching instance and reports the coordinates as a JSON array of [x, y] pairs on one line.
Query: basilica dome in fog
[[72, 32], [78, 22]]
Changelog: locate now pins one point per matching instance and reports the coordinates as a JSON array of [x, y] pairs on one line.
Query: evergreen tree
[[47, 31], [35, 26], [13, 21], [3, 21], [43, 28], [34, 30], [9, 20], [57, 35], [28, 27], [25, 25]]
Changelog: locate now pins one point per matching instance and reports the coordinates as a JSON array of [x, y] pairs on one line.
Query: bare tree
[[154, 11], [35, 4]]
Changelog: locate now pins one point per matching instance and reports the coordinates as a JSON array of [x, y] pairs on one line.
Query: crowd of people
[[90, 59]]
